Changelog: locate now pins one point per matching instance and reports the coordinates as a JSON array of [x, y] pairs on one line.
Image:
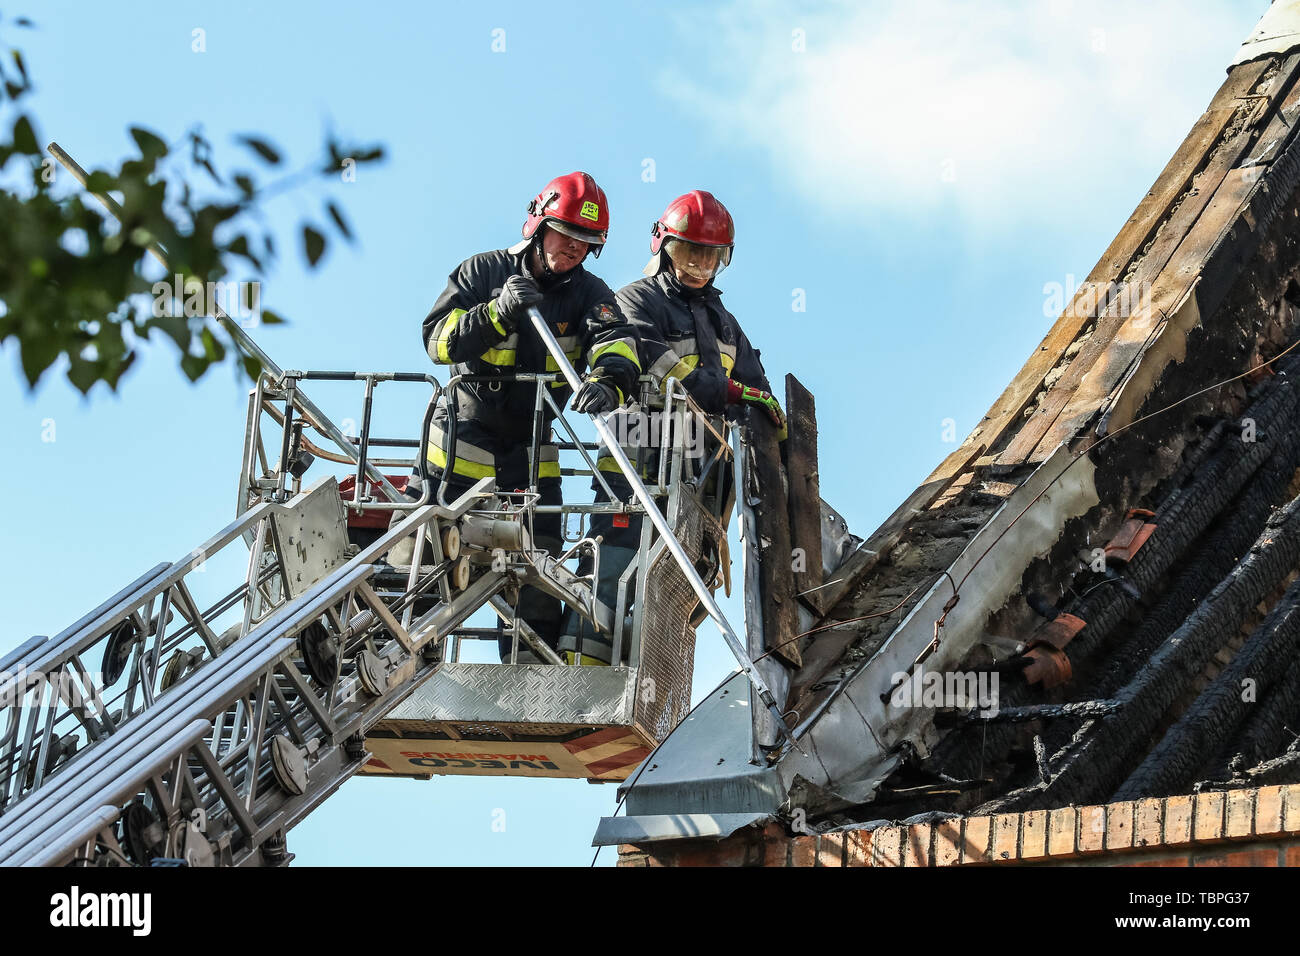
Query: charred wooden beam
[[1215, 487], [1222, 707], [805, 505], [1078, 710], [1100, 762]]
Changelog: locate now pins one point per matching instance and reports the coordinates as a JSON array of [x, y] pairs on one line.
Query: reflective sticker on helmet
[[590, 211], [679, 222]]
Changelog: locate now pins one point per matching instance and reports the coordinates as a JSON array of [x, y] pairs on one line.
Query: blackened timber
[[775, 554], [1079, 710], [800, 449], [1222, 707], [1218, 483], [1272, 725], [1100, 763]]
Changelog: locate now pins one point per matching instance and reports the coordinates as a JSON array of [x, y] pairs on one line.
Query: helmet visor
[[588, 236], [699, 262]]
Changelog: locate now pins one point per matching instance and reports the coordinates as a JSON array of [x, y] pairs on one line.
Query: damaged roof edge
[[1278, 31], [852, 741]]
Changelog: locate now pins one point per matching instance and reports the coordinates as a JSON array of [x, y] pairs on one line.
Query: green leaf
[[151, 146], [239, 247], [37, 356], [245, 184], [271, 318], [212, 349], [252, 366], [261, 147], [339, 221], [81, 373], [175, 326], [193, 366], [313, 244], [99, 182], [22, 67], [25, 137]]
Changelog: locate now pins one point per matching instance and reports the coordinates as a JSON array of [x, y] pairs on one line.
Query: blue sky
[[928, 174]]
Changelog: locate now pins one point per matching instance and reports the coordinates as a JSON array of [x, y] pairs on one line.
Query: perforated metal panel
[[663, 696]]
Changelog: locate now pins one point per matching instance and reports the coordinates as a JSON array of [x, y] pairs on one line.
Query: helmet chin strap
[[537, 256]]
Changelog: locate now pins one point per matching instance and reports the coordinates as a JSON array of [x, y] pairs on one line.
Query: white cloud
[[987, 112]]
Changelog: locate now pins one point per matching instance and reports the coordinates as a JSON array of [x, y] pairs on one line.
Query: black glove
[[598, 394], [512, 304]]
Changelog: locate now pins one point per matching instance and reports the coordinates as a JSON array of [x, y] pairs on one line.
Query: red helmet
[[696, 217], [574, 206], [696, 233]]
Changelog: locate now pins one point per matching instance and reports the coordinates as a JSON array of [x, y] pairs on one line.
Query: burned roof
[[1114, 547]]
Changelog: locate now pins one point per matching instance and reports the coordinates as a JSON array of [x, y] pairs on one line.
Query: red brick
[[1148, 822], [1178, 820], [1227, 857], [975, 838], [1292, 856], [857, 848], [730, 852], [803, 851], [1240, 815], [1060, 831], [1207, 824], [1157, 861], [1006, 837], [1033, 834], [776, 850], [886, 846], [947, 843], [830, 849], [1268, 811], [1092, 829], [916, 845], [1119, 825], [631, 859]]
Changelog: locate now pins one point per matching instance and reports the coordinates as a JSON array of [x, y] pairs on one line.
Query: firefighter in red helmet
[[686, 333], [480, 327]]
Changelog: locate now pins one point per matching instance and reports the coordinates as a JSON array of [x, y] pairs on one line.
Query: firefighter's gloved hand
[[737, 392], [512, 304], [598, 394]]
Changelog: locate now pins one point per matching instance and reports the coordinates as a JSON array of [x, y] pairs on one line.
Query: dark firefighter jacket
[[462, 331], [689, 334]]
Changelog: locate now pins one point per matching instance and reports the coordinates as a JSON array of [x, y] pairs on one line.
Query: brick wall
[[1259, 827]]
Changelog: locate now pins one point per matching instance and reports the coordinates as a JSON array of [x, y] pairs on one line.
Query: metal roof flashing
[[702, 781], [1278, 31]]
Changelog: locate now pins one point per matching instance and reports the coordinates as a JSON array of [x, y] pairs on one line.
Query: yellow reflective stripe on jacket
[[470, 469], [607, 463], [493, 315], [504, 353], [444, 336], [684, 367], [475, 462], [572, 657], [623, 347], [570, 353], [727, 355]]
